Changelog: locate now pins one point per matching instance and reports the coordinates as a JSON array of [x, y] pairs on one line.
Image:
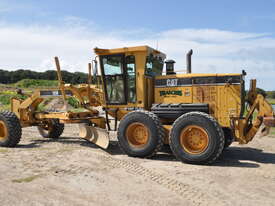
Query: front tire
[[196, 138], [228, 136], [53, 129], [10, 129], [140, 134]]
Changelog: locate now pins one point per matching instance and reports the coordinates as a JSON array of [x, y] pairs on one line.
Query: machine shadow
[[237, 157], [231, 157], [28, 146], [66, 140]]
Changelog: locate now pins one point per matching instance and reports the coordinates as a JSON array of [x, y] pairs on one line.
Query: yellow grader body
[[198, 115]]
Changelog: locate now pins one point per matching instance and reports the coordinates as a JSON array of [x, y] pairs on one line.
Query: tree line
[[270, 94], [10, 77]]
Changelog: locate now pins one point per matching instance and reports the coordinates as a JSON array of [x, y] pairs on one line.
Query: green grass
[[35, 83], [73, 102], [5, 107], [80, 109], [272, 132], [26, 179], [6, 96], [271, 101], [28, 85]]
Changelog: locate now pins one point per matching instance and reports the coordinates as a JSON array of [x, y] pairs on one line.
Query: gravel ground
[[71, 171]]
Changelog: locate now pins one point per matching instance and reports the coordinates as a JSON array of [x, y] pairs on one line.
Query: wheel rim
[[3, 131], [194, 139], [137, 134], [47, 127]]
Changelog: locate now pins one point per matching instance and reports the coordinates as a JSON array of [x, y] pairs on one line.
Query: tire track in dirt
[[194, 195], [189, 192]]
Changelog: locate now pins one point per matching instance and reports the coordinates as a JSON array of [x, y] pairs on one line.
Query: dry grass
[[3, 150], [26, 179]]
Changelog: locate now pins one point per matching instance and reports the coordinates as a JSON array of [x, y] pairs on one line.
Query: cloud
[[215, 51]]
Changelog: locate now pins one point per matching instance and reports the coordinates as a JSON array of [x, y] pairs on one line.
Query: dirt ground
[[71, 171]]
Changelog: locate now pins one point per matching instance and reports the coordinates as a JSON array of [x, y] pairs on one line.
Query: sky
[[226, 36]]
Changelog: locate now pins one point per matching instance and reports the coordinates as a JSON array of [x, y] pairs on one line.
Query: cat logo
[[172, 82]]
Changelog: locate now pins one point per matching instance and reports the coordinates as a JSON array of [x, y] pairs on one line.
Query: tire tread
[[159, 126], [219, 130], [14, 128], [55, 133]]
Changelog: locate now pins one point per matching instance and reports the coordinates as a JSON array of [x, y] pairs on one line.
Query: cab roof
[[145, 48]]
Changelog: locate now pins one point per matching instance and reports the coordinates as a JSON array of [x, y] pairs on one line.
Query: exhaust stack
[[189, 62]]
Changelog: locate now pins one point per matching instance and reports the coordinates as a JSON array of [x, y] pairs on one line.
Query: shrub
[[73, 102], [5, 98]]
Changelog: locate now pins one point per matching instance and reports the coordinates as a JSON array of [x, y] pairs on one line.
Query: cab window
[[154, 65], [112, 65], [131, 78]]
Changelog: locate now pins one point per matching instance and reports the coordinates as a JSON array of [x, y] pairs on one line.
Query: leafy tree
[[9, 77], [261, 91]]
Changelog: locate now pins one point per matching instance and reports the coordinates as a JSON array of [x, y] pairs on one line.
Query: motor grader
[[197, 115]]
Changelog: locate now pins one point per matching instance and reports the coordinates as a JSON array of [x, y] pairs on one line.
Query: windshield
[[112, 65]]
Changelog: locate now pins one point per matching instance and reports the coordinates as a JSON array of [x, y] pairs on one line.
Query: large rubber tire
[[55, 130], [13, 130], [155, 137], [228, 137], [212, 130]]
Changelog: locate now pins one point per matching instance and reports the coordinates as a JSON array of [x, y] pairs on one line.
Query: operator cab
[[123, 71]]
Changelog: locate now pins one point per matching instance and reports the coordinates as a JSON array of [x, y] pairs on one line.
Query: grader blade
[[98, 136], [85, 132]]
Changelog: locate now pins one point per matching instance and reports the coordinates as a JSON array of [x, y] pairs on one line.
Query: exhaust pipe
[[188, 62]]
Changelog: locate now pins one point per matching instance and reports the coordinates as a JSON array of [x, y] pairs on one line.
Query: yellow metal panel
[[140, 65], [231, 101], [149, 92], [99, 51], [15, 105], [224, 100]]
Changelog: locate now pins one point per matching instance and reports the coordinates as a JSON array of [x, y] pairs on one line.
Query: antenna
[[157, 47]]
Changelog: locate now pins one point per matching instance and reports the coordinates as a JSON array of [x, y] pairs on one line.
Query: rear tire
[[10, 129], [140, 134], [54, 129], [196, 138]]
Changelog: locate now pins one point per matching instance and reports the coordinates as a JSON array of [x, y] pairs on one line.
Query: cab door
[[113, 72], [119, 76]]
